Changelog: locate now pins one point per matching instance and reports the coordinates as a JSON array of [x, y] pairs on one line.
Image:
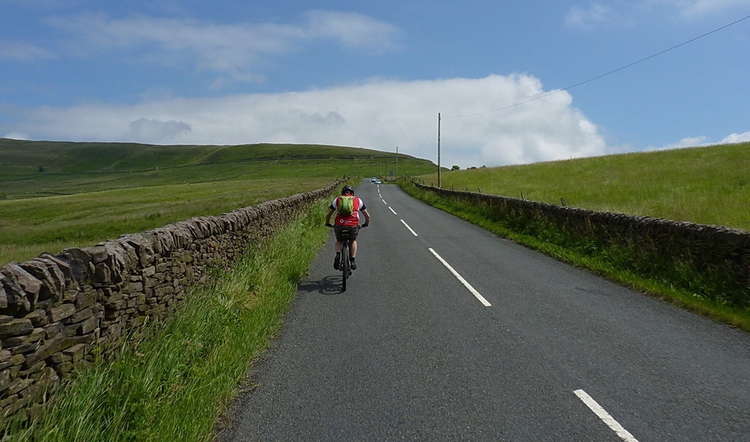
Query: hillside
[[41, 168], [708, 185], [55, 195]]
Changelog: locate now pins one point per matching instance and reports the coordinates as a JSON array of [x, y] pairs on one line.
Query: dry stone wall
[[720, 255], [55, 310]]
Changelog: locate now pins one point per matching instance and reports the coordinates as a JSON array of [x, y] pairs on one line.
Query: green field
[[707, 185], [57, 195]]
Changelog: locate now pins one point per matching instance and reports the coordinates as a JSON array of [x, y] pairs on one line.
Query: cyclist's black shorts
[[345, 232]]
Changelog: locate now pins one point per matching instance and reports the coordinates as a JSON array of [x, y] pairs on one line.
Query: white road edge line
[[393, 211], [604, 416], [461, 279], [410, 229]]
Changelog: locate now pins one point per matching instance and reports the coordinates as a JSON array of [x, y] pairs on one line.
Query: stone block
[[36, 335], [16, 327], [85, 299], [16, 296], [25, 348], [80, 263], [53, 346], [97, 253], [51, 276], [4, 380], [88, 325], [70, 296], [64, 369], [53, 329], [32, 369], [59, 358], [102, 274], [76, 352], [18, 386], [28, 283], [61, 312], [38, 318], [61, 264], [3, 297], [80, 316]]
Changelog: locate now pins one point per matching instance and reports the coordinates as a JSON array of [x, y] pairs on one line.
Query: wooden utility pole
[[438, 149], [396, 160]]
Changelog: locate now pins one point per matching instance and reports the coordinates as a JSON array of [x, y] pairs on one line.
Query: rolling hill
[[61, 194], [42, 168], [707, 185]]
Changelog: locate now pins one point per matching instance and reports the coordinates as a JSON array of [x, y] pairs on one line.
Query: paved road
[[410, 353]]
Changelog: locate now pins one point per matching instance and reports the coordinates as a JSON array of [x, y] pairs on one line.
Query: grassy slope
[[708, 185], [116, 188]]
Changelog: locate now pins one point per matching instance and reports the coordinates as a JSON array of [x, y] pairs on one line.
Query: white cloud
[[705, 141], [686, 142], [352, 29], [16, 136], [232, 50], [597, 15], [377, 114], [736, 138], [21, 51], [589, 16], [156, 131], [700, 8]]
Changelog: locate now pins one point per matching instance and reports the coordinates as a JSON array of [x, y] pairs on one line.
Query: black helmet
[[347, 188]]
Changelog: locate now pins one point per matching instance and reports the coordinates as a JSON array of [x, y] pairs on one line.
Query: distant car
[[378, 182], [373, 180]]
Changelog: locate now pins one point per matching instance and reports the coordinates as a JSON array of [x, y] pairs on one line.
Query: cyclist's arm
[[367, 216]]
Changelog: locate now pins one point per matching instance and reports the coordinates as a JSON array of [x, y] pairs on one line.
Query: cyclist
[[347, 222]]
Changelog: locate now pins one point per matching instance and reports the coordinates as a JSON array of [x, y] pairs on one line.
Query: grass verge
[[613, 263], [174, 384]]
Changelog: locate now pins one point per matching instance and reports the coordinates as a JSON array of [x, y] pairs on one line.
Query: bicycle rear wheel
[[344, 265]]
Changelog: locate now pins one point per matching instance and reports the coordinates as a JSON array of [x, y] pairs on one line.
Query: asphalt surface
[[408, 352]]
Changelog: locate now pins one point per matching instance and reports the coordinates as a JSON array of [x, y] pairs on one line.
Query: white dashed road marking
[[410, 229], [604, 416], [393, 211], [461, 279]]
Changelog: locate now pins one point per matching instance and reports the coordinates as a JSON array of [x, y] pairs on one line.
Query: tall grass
[[173, 384], [680, 285]]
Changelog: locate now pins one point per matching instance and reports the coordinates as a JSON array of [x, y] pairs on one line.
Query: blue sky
[[374, 74]]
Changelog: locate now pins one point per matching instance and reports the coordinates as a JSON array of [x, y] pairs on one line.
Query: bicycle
[[345, 265]]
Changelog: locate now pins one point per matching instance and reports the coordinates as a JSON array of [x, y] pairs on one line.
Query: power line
[[615, 70]]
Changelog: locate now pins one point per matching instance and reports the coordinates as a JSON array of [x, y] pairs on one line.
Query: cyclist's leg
[[353, 252]]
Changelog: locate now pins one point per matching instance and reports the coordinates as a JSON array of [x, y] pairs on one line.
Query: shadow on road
[[330, 285]]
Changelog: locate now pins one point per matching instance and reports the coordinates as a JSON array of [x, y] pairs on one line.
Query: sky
[[376, 74]]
